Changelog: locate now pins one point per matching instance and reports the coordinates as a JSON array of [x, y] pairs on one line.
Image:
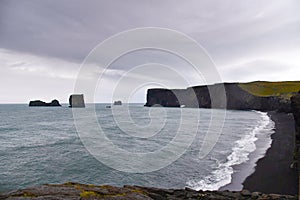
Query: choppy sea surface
[[41, 145]]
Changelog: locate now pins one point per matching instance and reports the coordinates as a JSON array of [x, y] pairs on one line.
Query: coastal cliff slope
[[263, 96], [295, 103]]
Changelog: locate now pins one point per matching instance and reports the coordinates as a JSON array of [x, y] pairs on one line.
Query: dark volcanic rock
[[117, 103], [163, 97], [72, 191], [295, 104], [42, 103], [227, 95], [76, 101]]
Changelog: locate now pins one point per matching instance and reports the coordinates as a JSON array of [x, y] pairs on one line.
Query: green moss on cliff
[[29, 194], [91, 194], [262, 88], [87, 194], [71, 191]]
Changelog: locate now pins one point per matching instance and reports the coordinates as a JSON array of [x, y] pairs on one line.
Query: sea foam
[[222, 175]]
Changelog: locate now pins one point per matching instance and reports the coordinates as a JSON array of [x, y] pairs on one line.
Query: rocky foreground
[[72, 191]]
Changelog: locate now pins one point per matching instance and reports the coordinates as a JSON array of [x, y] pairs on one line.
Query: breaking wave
[[222, 175]]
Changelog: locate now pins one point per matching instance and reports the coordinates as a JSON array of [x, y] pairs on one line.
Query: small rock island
[[118, 103], [42, 103], [76, 101]]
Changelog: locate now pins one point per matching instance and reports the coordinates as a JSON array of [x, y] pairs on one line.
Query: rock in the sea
[[78, 191], [76, 101], [42, 103], [118, 103]]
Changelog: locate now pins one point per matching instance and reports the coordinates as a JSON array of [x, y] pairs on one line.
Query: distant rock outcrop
[[72, 191], [118, 103], [42, 103], [236, 98], [76, 101]]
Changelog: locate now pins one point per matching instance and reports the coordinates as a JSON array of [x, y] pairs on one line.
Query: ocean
[[40, 145]]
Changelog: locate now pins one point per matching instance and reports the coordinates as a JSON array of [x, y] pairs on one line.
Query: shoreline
[[269, 171], [243, 170], [272, 172]]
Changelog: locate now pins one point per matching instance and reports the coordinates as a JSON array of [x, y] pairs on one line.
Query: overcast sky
[[43, 43]]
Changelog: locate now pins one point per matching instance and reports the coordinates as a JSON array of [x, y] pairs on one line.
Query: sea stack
[[76, 101], [42, 103]]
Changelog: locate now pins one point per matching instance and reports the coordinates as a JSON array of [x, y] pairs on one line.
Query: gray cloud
[[70, 29], [237, 34]]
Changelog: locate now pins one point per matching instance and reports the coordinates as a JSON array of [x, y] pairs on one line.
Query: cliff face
[[163, 97], [295, 103], [76, 101], [42, 103], [213, 96]]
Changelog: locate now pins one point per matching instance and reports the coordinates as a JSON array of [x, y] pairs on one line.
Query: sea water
[[41, 145]]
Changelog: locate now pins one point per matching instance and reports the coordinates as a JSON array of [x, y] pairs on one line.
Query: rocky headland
[[262, 96], [42, 103]]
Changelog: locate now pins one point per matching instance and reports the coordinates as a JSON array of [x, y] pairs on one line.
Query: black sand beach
[[273, 173]]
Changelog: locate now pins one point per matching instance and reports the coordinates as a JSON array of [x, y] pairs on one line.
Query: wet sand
[[273, 173]]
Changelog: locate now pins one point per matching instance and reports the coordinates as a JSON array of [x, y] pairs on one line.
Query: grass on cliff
[[264, 89]]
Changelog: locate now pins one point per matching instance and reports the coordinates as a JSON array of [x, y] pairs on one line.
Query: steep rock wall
[[227, 95], [295, 103]]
